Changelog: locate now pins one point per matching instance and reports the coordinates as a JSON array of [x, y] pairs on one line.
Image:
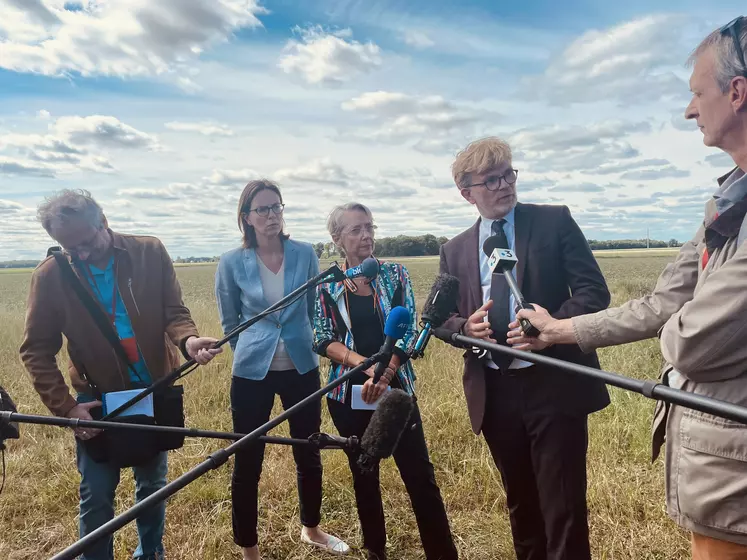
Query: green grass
[[626, 499]]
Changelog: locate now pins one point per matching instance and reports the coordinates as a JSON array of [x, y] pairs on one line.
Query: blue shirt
[[103, 284]]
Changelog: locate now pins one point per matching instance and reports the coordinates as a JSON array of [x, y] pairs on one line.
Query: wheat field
[[38, 507]]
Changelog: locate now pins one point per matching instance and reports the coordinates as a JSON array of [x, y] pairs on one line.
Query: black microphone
[[397, 323], [503, 260], [8, 430], [388, 422], [441, 303]]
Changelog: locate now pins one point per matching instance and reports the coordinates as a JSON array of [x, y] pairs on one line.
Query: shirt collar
[[486, 224]]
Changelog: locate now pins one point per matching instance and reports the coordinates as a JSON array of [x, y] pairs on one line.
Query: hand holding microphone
[[541, 321], [397, 323]]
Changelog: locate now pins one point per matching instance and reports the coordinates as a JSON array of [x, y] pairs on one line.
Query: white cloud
[[204, 128], [721, 159], [103, 131], [117, 37], [43, 115], [328, 58], [320, 171], [668, 172], [431, 124], [417, 39], [72, 144], [629, 62], [576, 148]]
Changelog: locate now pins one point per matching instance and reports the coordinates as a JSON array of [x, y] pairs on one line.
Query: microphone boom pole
[[334, 271], [647, 388], [7, 416], [213, 461]]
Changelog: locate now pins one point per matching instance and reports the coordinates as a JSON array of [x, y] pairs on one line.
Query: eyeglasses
[[734, 28], [493, 182], [264, 211], [357, 231], [86, 246]]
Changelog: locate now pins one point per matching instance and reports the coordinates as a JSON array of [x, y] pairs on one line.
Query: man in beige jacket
[[699, 311]]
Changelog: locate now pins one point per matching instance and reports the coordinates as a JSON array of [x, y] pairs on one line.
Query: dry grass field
[[39, 505]]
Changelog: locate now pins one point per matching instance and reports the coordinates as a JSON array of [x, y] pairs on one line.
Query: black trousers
[[251, 405], [540, 451], [416, 469]]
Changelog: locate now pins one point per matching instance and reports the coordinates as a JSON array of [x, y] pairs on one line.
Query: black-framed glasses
[[494, 182], [734, 28], [264, 211]]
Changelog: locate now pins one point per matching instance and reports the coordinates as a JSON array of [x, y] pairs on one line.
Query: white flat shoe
[[333, 545]]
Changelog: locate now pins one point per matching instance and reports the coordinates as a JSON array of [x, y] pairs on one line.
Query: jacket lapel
[[473, 261], [292, 268], [522, 234], [254, 285]]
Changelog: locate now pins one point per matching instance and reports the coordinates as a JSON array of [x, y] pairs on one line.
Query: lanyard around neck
[[113, 314]]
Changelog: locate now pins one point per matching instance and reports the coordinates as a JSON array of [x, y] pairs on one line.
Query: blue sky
[[164, 110]]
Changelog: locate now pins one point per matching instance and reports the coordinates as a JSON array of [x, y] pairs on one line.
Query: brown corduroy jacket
[[152, 296]]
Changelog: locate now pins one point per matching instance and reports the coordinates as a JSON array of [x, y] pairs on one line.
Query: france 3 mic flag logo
[[501, 255]]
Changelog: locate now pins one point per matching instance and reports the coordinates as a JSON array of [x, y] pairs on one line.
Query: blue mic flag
[[397, 323]]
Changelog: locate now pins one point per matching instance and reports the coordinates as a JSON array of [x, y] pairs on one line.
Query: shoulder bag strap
[[101, 320]]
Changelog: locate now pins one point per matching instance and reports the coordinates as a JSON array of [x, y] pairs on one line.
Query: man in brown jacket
[[133, 279], [699, 311]]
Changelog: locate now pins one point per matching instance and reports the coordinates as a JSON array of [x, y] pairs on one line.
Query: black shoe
[[376, 555]]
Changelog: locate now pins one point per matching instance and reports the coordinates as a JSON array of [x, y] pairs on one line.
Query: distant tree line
[[632, 244], [406, 246]]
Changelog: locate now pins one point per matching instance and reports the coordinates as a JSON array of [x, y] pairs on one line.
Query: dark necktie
[[499, 314]]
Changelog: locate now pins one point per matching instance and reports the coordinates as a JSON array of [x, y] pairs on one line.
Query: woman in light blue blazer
[[272, 357]]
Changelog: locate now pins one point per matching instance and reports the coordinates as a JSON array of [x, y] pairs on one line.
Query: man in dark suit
[[533, 417]]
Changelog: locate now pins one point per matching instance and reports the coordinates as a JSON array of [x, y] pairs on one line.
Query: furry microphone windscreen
[[491, 243], [442, 301], [388, 422]]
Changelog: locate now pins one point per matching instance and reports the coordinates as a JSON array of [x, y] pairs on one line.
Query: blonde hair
[[479, 157]]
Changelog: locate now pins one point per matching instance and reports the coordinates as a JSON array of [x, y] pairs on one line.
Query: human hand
[[201, 349], [82, 412]]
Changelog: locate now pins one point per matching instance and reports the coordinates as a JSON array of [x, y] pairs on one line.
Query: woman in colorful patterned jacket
[[349, 327]]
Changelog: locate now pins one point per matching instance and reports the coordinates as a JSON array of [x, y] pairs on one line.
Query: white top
[[273, 286], [486, 231]]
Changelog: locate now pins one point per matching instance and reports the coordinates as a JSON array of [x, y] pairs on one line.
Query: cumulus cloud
[[575, 148], [630, 62], [430, 124], [102, 131], [319, 171], [721, 159], [117, 37], [204, 128], [581, 188], [72, 144], [322, 57], [668, 172], [631, 165]]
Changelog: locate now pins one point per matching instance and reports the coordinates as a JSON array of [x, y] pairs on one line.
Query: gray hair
[[69, 205], [728, 65], [334, 221]]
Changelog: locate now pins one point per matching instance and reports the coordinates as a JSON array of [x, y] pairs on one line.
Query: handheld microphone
[[503, 260], [395, 328], [441, 302], [368, 268], [388, 422]]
